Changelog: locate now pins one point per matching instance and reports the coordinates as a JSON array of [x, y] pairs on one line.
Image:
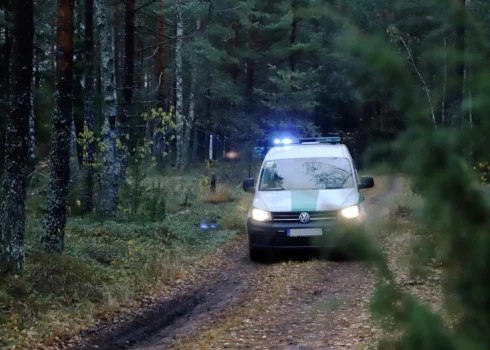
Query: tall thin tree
[[54, 224], [125, 117], [89, 121], [13, 215], [179, 87], [112, 164], [158, 137], [192, 109]]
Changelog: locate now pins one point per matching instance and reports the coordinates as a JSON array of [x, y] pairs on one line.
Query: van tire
[[255, 254]]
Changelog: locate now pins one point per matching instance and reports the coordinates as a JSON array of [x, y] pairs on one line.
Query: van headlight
[[350, 212], [261, 215]]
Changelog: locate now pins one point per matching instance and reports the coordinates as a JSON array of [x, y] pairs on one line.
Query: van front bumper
[[271, 234]]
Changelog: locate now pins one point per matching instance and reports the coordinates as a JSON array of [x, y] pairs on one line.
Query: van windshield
[[306, 174]]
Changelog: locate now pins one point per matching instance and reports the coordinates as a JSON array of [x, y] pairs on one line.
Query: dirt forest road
[[291, 304]]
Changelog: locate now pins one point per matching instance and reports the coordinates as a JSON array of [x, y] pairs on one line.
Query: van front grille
[[294, 216]]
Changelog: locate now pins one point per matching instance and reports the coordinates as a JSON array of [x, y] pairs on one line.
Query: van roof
[[308, 151]]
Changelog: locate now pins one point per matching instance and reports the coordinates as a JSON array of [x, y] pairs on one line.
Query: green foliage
[[454, 220]]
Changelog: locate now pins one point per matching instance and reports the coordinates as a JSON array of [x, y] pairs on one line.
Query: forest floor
[[227, 301]]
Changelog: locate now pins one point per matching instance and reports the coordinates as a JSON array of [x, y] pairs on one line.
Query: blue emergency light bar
[[325, 139], [286, 141], [331, 138]]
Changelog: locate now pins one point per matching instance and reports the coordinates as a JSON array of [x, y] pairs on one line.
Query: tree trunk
[[125, 117], [249, 84], [458, 94], [443, 106], [179, 108], [249, 79], [74, 166], [195, 142], [466, 78], [117, 50], [192, 111], [111, 161], [53, 53], [158, 137], [13, 215], [232, 48], [190, 122], [292, 37], [8, 48], [160, 59], [32, 128], [98, 70], [54, 224], [88, 111]]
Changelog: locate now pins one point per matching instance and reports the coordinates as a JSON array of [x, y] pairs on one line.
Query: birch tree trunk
[[88, 111], [179, 108], [13, 214], [111, 161], [54, 224]]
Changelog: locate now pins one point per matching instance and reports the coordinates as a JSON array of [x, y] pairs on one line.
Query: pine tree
[[13, 215], [54, 223], [89, 121]]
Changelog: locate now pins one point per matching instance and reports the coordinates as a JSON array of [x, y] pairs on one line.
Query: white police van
[[307, 192]]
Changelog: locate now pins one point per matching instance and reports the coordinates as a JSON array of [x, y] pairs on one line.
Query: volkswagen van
[[307, 196]]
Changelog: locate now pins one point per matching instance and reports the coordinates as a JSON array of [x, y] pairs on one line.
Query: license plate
[[305, 232]]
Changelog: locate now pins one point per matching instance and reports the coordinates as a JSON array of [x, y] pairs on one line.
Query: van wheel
[[255, 254]]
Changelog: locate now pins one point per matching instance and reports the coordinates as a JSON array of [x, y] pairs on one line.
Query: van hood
[[314, 200]]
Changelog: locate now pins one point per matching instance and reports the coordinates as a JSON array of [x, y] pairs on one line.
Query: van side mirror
[[249, 185], [366, 182]]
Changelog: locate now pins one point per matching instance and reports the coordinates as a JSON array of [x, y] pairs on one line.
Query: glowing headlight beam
[[350, 212], [261, 215]]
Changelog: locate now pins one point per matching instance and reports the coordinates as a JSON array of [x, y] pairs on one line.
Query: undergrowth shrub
[[132, 190], [221, 195], [69, 278]]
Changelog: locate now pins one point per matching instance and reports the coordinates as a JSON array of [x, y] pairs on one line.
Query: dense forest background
[[233, 69], [99, 98]]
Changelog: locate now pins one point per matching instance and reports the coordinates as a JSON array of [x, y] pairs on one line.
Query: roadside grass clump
[[221, 195]]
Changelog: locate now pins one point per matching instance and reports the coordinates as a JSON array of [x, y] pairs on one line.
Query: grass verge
[[413, 258], [111, 265]]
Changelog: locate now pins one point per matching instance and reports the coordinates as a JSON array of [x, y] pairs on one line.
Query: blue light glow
[[286, 141], [277, 141]]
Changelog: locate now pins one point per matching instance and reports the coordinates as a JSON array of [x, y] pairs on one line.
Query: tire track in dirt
[[294, 304]]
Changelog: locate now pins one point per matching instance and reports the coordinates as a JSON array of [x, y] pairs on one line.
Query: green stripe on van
[[304, 200]]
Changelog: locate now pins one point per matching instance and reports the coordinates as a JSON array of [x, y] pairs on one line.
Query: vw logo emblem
[[304, 217]]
